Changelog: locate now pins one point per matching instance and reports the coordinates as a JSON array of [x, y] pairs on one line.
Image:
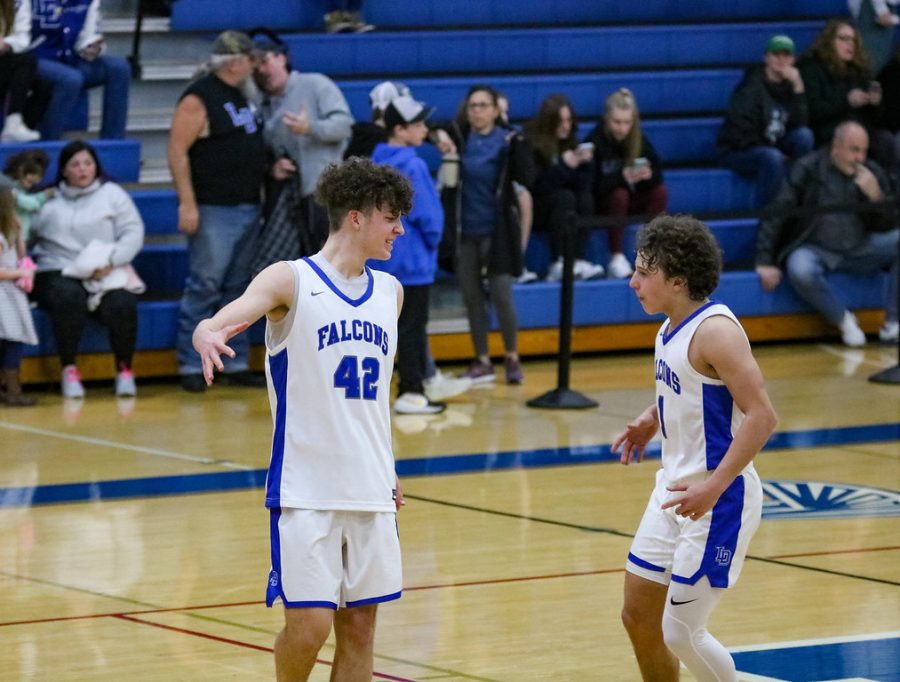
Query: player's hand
[[769, 276], [697, 500], [634, 439], [211, 345], [398, 496]]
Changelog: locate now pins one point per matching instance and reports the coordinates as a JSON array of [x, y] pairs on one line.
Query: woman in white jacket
[[87, 215], [17, 68]]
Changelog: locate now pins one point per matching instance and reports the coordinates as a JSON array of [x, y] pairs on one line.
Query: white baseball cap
[[404, 110], [382, 94]]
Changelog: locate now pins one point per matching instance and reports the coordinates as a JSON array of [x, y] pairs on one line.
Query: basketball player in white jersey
[[714, 415], [331, 328]]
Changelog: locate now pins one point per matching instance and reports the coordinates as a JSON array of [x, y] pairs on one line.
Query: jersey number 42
[[358, 377]]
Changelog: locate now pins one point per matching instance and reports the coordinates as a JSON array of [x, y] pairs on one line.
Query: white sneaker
[[851, 334], [15, 130], [527, 277], [889, 332], [125, 385], [71, 382], [619, 267], [442, 386], [554, 274], [416, 403], [584, 269]]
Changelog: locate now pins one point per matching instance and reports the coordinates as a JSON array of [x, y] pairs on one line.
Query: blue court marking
[[872, 659], [188, 484]]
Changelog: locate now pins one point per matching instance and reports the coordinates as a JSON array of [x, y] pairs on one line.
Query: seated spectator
[[306, 127], [809, 247], [524, 200], [84, 240], [26, 170], [839, 87], [17, 67], [875, 22], [765, 126], [69, 47], [562, 183], [628, 178]]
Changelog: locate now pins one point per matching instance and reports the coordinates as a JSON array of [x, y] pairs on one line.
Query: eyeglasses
[[479, 105]]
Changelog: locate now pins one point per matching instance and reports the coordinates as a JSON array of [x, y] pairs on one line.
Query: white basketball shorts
[[332, 559], [668, 547]]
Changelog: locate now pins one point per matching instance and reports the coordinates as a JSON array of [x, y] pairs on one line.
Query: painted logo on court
[[821, 500]]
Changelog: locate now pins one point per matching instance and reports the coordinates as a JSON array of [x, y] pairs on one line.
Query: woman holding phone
[[562, 184], [628, 176]]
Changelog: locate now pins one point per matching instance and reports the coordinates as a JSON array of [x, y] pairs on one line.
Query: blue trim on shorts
[[307, 604], [644, 564], [374, 600], [721, 543]]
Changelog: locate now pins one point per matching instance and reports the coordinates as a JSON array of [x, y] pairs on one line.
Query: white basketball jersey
[[697, 415], [329, 366]]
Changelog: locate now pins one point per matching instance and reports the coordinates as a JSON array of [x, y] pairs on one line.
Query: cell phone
[[586, 147], [640, 162], [874, 86]]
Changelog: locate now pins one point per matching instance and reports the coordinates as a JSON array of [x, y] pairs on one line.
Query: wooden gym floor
[[134, 542]]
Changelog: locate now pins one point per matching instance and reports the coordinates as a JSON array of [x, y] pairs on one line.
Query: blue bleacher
[[121, 159], [215, 15], [542, 49]]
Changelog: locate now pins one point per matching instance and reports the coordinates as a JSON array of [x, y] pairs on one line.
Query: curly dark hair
[[357, 184], [823, 50], [682, 246], [29, 162]]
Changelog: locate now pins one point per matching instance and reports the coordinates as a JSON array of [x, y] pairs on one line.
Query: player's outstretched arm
[[270, 293], [636, 435], [722, 347]]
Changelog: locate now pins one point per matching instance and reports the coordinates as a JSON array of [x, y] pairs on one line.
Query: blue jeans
[[220, 253], [808, 265], [767, 163], [68, 81]]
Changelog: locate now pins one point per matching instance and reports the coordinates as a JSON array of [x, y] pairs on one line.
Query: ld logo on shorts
[[273, 579], [723, 556], [822, 500]]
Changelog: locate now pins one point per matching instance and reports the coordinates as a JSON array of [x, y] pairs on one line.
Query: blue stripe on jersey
[[668, 337], [278, 368], [644, 564], [718, 407], [373, 600], [721, 542], [331, 285], [273, 588]]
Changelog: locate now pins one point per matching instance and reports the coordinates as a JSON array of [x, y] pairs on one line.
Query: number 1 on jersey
[[359, 379]]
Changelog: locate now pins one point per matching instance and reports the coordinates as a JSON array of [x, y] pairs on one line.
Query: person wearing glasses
[[840, 87]]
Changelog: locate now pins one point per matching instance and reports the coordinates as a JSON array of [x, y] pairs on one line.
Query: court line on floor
[[610, 531], [156, 452], [237, 642], [259, 602], [247, 478]]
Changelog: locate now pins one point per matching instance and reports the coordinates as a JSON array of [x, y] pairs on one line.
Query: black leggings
[[551, 212], [16, 74], [65, 301]]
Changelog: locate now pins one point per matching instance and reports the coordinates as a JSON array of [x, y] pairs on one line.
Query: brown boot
[[14, 397]]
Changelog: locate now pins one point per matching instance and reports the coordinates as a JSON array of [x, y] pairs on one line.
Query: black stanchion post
[[891, 375], [562, 397]]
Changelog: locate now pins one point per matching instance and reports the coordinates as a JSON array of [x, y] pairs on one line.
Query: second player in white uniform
[[714, 415]]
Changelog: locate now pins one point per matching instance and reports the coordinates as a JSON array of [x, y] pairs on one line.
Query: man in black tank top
[[217, 158]]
